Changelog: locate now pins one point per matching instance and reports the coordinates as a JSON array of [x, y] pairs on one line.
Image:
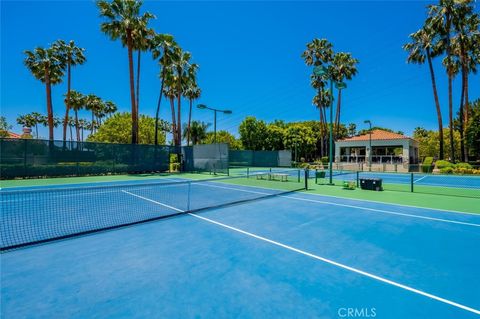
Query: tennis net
[[41, 215]]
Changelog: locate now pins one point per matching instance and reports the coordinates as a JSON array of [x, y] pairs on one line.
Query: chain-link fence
[[248, 158], [428, 183], [25, 158]]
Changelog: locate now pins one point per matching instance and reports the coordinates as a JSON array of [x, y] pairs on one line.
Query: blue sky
[[249, 57]]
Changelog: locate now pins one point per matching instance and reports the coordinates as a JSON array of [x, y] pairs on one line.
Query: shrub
[[324, 160], [446, 170], [443, 164], [463, 165], [427, 165]]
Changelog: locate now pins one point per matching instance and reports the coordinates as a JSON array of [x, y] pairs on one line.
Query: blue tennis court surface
[[287, 256]]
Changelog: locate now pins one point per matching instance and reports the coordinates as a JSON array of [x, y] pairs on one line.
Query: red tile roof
[[376, 135], [14, 135]]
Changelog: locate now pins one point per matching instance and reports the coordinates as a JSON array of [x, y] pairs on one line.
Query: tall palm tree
[[109, 108], [123, 20], [95, 105], [319, 52], [191, 92], [82, 124], [26, 120], [344, 67], [170, 92], [72, 55], [161, 47], [46, 66], [423, 48], [77, 102], [181, 62], [142, 36], [441, 17], [466, 25]]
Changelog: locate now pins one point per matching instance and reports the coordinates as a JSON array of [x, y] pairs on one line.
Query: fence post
[[306, 178], [188, 195], [411, 182], [248, 172]]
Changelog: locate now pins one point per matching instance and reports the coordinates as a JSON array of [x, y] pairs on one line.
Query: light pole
[[204, 107], [369, 144], [320, 71]]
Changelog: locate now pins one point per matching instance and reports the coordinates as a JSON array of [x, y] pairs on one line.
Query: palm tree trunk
[[321, 130], [49, 104], [450, 117], [179, 125], [36, 129], [337, 115], [67, 106], [461, 118], [466, 111], [93, 121], [77, 128], [157, 113], [132, 89], [71, 133], [174, 125], [138, 81], [189, 121], [437, 106]]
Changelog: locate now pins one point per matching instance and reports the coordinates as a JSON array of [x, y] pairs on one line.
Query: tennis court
[[231, 247]]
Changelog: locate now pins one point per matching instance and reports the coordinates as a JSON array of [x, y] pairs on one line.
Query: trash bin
[[372, 184], [319, 174]]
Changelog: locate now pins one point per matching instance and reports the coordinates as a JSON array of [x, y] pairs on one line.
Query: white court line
[[419, 179], [337, 264], [352, 206], [326, 260], [154, 201]]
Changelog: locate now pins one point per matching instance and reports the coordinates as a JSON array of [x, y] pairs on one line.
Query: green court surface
[[446, 201]]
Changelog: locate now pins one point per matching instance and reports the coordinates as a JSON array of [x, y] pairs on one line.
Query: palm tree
[[141, 36], [319, 52], [191, 92], [72, 55], [344, 68], [71, 125], [95, 105], [423, 48], [109, 108], [161, 47], [46, 66], [181, 62], [26, 120], [77, 102], [466, 24], [82, 124], [170, 92], [198, 131], [123, 20], [352, 129], [441, 17]]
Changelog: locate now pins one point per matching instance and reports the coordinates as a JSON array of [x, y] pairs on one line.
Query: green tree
[[301, 139], [4, 127], [223, 137], [72, 56], [123, 20], [26, 120], [77, 102], [116, 130], [47, 66], [274, 137], [253, 133], [191, 92]]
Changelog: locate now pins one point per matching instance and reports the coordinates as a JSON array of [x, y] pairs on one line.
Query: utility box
[[372, 184]]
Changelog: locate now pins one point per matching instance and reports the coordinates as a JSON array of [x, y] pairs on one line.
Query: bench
[[272, 176]]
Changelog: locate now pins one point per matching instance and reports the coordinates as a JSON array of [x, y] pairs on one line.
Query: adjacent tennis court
[[231, 247]]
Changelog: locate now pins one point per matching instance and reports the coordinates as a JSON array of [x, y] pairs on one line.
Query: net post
[[298, 173], [306, 178], [358, 178], [316, 177], [411, 182], [188, 195]]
